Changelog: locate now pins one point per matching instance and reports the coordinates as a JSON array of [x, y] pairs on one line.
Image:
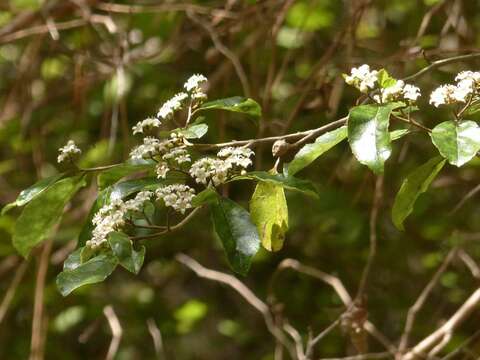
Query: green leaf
[[384, 79], [43, 212], [111, 176], [398, 134], [93, 271], [307, 154], [195, 131], [73, 260], [269, 212], [207, 196], [416, 183], [30, 193], [238, 234], [236, 104], [127, 256], [457, 142], [368, 134], [288, 182]]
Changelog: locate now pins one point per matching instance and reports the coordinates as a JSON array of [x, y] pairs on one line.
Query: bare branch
[[244, 291], [446, 330], [116, 329], [37, 343], [10, 293], [156, 337], [413, 311]]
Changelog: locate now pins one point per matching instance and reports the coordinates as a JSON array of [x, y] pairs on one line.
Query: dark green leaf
[[269, 211], [288, 182], [28, 194], [111, 176], [235, 104], [416, 183], [127, 256], [368, 134], [206, 196], [93, 271], [457, 142], [43, 212], [307, 154], [237, 232]]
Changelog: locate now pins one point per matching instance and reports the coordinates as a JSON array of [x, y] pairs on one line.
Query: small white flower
[[172, 105], [464, 88], [474, 75], [239, 156], [179, 155], [411, 92], [147, 124], [362, 78], [194, 82], [393, 92], [162, 170], [177, 196], [151, 146], [68, 152], [442, 95], [213, 169]]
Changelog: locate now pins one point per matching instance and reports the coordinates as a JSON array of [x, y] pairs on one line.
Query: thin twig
[[440, 63], [157, 338], [10, 293], [229, 54], [37, 345], [244, 291], [413, 311], [377, 196], [116, 329], [446, 330]]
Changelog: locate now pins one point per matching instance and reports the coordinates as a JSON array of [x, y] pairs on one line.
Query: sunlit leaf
[[307, 154], [236, 104], [368, 134], [457, 142], [416, 183], [238, 234], [288, 182], [269, 212]]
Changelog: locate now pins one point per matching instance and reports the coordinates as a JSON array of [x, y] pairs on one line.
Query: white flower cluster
[[365, 80], [194, 91], [177, 196], [362, 78], [152, 147], [68, 152], [467, 84], [194, 86], [111, 217], [217, 170], [145, 125], [398, 91], [170, 106]]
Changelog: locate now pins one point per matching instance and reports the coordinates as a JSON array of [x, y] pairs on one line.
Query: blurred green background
[[89, 70]]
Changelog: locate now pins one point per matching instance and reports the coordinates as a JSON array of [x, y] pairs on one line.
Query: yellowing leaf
[[269, 212]]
